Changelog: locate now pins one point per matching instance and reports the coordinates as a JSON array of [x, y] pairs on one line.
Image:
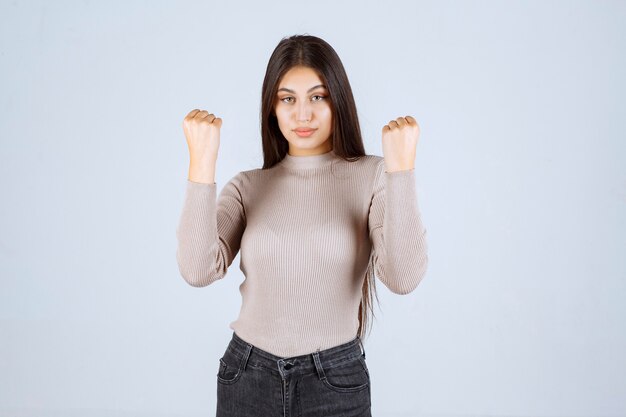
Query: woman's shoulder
[[366, 167], [373, 163], [374, 159], [248, 179], [363, 160], [243, 177]]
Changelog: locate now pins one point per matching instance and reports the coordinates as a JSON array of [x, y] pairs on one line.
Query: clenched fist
[[202, 130], [400, 138]]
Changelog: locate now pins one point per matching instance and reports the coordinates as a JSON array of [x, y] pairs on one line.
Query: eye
[[289, 97]]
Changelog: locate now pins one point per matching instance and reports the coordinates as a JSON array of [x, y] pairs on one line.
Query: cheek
[[327, 115], [282, 116]]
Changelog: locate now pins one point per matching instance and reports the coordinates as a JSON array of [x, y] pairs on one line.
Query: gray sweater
[[305, 228]]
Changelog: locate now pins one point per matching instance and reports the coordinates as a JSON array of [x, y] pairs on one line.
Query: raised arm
[[396, 230], [209, 231]]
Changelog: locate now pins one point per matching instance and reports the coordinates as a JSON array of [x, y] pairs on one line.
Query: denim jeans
[[332, 382]]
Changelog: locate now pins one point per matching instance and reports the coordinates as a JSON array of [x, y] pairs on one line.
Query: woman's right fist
[[202, 130]]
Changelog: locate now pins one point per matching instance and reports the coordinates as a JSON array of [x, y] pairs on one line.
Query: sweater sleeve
[[209, 232], [396, 230]]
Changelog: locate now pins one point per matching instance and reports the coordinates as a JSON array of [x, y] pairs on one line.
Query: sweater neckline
[[308, 161]]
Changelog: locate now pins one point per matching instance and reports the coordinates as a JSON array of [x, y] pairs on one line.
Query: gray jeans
[[332, 382]]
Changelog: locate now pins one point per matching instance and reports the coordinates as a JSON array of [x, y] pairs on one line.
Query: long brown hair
[[315, 53]]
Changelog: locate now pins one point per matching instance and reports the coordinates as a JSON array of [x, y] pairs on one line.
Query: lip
[[304, 133]]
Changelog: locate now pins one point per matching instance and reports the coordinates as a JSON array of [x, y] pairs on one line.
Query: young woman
[[313, 224]]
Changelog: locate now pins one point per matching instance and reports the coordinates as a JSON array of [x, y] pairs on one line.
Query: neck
[[308, 161]]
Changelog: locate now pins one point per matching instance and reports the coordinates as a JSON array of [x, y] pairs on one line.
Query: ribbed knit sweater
[[305, 228]]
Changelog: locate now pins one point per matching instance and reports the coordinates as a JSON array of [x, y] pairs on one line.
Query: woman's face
[[302, 102]]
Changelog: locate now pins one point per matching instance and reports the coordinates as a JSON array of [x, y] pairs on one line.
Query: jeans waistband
[[327, 358]]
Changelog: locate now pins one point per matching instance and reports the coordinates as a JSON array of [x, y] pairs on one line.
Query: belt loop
[[318, 364], [247, 355], [362, 347]]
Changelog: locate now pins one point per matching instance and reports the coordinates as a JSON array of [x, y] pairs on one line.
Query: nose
[[303, 112]]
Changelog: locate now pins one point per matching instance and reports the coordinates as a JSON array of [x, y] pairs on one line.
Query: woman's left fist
[[400, 138]]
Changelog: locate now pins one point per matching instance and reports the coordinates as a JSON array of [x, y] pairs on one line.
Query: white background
[[521, 177]]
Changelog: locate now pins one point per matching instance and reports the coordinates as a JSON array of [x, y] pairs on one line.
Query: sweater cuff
[[201, 189], [199, 184]]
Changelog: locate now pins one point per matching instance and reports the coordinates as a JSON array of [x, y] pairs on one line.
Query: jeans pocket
[[230, 368], [348, 376]]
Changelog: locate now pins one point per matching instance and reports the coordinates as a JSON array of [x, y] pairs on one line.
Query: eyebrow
[[310, 89]]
